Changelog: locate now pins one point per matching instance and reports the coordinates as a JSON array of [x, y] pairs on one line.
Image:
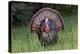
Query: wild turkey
[[47, 23]]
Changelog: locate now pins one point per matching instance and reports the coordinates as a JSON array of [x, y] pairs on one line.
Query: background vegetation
[[22, 40]]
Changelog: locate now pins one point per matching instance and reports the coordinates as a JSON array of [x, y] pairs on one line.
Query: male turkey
[[47, 23]]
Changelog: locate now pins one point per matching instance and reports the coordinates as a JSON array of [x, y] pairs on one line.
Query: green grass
[[25, 41]]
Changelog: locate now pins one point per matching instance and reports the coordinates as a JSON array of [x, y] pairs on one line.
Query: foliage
[[21, 12]]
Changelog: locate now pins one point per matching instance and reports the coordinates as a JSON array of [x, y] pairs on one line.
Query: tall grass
[[25, 41]]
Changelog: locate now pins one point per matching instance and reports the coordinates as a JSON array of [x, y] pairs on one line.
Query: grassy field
[[25, 41]]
